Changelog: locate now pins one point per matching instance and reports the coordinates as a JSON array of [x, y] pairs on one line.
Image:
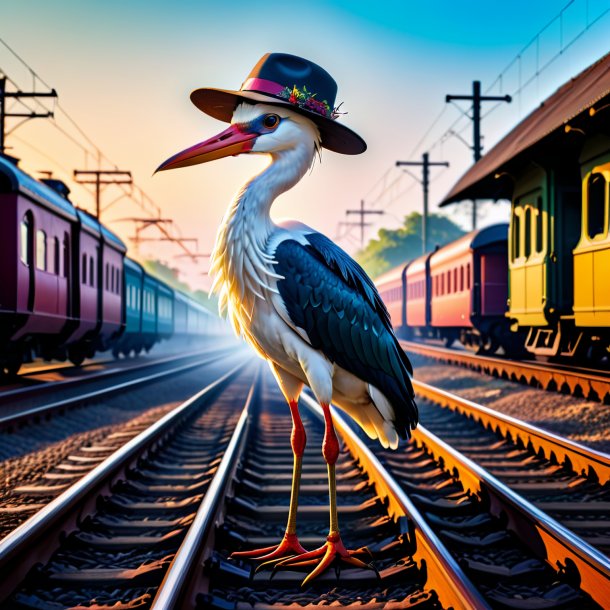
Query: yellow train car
[[554, 168]]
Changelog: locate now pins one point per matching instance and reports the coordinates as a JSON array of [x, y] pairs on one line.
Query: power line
[[170, 232]]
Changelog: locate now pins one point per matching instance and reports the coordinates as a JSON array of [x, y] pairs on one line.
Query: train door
[[528, 247]]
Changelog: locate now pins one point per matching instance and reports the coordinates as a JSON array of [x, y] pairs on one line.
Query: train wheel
[[76, 355]]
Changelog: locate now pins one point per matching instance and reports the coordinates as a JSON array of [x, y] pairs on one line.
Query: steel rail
[[27, 414], [179, 582], [35, 540], [578, 457], [23, 393], [542, 534], [592, 383], [445, 576]]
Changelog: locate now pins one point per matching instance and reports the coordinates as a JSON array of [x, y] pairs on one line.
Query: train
[[455, 293], [67, 287], [537, 286]]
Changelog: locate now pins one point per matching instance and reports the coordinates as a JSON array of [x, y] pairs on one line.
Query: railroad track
[[517, 554], [247, 505], [33, 478], [567, 480], [111, 536], [20, 406], [145, 544], [512, 576], [592, 384]]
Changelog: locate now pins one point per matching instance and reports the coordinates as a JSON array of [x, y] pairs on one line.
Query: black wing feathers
[[329, 295]]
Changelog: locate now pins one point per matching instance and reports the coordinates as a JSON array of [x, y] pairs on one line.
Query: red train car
[[97, 289], [469, 288], [391, 290], [61, 275], [36, 230], [458, 291]]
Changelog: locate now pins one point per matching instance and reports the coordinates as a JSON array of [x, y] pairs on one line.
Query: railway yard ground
[[581, 420], [127, 508]]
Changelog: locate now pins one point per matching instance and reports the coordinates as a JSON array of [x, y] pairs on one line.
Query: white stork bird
[[299, 300]]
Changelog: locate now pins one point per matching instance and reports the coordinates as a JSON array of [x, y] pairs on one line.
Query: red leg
[[333, 550], [289, 545]]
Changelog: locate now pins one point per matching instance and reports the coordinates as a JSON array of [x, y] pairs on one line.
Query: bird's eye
[[271, 121]]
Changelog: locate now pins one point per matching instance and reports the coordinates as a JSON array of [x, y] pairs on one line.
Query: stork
[[299, 300]]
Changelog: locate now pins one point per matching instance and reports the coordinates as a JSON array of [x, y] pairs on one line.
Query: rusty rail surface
[[590, 383], [551, 541], [578, 457]]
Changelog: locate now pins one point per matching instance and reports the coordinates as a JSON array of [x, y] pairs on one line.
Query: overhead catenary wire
[[455, 130], [90, 149]]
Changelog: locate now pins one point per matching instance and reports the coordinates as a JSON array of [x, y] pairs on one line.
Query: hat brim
[[221, 103]]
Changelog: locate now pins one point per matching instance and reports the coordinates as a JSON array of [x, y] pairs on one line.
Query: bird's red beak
[[232, 141]]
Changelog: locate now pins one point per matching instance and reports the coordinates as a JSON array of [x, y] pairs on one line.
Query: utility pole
[[26, 115], [476, 98], [140, 225], [98, 181], [425, 164], [362, 212]]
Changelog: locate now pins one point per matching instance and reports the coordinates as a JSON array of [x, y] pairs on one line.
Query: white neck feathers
[[241, 264]]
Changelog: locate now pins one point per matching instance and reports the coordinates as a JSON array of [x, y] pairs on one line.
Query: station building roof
[[585, 93]]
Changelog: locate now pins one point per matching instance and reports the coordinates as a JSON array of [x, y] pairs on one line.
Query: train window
[[455, 280], [461, 278], [539, 219], [527, 242], [516, 236], [596, 208], [468, 276], [107, 282], [26, 240], [91, 272], [66, 255], [41, 250], [84, 267], [56, 255]]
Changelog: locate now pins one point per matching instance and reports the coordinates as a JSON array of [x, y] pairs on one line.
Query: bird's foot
[[331, 552], [288, 547]]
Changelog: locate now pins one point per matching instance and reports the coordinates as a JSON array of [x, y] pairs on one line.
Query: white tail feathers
[[375, 417]]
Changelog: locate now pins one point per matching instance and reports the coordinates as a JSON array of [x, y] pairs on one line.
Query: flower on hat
[[307, 100]]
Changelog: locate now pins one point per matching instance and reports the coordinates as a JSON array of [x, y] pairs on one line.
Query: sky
[[124, 71]]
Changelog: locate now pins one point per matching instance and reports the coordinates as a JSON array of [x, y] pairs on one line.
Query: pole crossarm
[[362, 212], [4, 94], [476, 98], [425, 164], [123, 177]]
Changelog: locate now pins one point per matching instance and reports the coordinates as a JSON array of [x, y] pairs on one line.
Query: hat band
[[263, 86], [301, 98]]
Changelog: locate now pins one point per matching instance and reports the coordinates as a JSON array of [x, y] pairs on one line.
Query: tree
[[169, 275], [393, 247]]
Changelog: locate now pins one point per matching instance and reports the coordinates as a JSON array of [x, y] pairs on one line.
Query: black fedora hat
[[280, 79]]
